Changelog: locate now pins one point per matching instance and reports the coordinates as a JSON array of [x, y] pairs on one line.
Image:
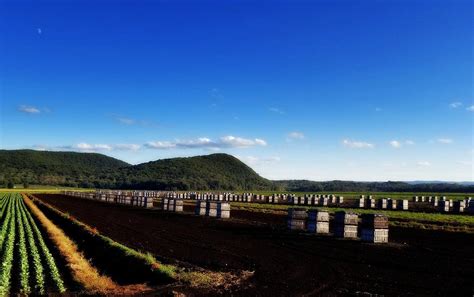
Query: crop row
[[28, 266]]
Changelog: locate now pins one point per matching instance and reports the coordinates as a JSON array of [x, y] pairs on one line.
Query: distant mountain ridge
[[209, 172], [417, 182], [352, 186]]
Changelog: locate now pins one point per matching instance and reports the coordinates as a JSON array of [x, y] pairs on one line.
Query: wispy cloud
[[423, 163], [455, 105], [357, 144], [470, 108], [395, 144], [126, 147], [399, 144], [296, 135], [378, 109], [129, 121], [40, 147], [29, 109], [93, 148], [276, 110], [125, 121], [444, 140], [252, 160], [204, 142], [39, 31], [216, 93]]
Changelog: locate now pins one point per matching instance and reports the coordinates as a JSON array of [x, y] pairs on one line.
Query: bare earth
[[416, 262]]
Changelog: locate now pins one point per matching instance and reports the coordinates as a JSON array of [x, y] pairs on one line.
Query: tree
[[10, 184]]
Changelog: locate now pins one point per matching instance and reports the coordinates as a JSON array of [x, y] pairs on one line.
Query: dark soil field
[[416, 262]]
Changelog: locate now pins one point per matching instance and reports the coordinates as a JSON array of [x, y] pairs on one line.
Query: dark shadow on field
[[109, 260]]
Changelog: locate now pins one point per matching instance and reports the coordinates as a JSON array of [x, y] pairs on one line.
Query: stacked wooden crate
[[374, 228], [345, 224]]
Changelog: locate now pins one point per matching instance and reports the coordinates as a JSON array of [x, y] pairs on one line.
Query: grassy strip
[[160, 270], [50, 262], [7, 256], [392, 214], [82, 271], [377, 195], [24, 263]]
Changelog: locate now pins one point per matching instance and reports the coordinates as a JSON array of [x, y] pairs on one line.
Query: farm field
[[28, 264], [38, 257], [267, 260]]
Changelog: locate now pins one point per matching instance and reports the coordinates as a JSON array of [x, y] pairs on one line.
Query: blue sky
[[322, 90]]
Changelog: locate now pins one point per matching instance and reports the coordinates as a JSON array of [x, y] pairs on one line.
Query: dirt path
[[429, 263]]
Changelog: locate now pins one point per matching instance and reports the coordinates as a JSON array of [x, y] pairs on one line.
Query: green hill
[[57, 168], [216, 171]]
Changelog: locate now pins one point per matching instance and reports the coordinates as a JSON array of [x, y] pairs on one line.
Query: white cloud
[[39, 31], [296, 135], [251, 160], [398, 144], [39, 147], [160, 145], [260, 142], [91, 147], [236, 141], [126, 147], [455, 104], [465, 163], [223, 142], [423, 163], [444, 140], [29, 109], [276, 110], [357, 144], [470, 108], [395, 144]]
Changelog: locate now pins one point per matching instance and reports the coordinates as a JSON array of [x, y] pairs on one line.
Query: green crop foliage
[[22, 243], [24, 264], [37, 266], [8, 208], [6, 262]]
